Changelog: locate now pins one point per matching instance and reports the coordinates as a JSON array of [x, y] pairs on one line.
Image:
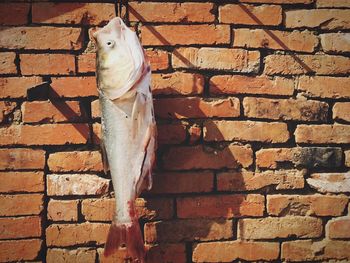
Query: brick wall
[[252, 99]]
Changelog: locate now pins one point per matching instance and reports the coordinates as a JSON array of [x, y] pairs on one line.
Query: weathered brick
[[64, 235], [320, 18], [96, 133], [71, 87], [76, 184], [280, 227], [335, 42], [205, 157], [150, 209], [172, 183], [195, 132], [227, 84], [80, 255], [319, 205], [228, 251], [226, 206], [285, 2], [300, 64], [285, 109], [347, 158], [176, 231], [86, 62], [6, 108], [45, 64], [330, 182], [7, 64], [24, 204], [341, 111], [248, 181], [229, 59], [171, 133], [303, 41], [325, 133], [78, 161], [72, 13], [308, 157], [338, 227], [17, 87], [95, 109], [177, 83], [309, 250], [272, 132], [159, 59], [332, 3], [170, 35], [12, 182], [250, 14], [14, 14], [171, 12], [19, 250], [20, 227], [62, 210], [21, 158], [52, 111], [41, 38], [182, 108], [50, 134], [325, 87]]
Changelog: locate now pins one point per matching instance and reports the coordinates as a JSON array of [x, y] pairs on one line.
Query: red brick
[[170, 35], [226, 206], [159, 59], [285, 109], [280, 227], [326, 133], [335, 42], [80, 255], [7, 64], [319, 205], [332, 3], [149, 209], [176, 231], [236, 84], [250, 14], [6, 108], [300, 64], [250, 181], [233, 60], [205, 157], [86, 62], [12, 182], [72, 13], [64, 235], [20, 227], [304, 41], [41, 38], [14, 13], [55, 111], [330, 182], [45, 64], [18, 250], [17, 87], [325, 87], [318, 18], [62, 210], [24, 204], [285, 2], [338, 227], [309, 250], [172, 183], [171, 133], [78, 161], [341, 111], [76, 184], [177, 83], [273, 132], [71, 87], [228, 251], [50, 134], [182, 108], [96, 133], [21, 158]]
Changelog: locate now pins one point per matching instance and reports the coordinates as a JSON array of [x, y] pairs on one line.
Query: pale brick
[[330, 182], [325, 133], [19, 250], [23, 204], [285, 2], [7, 64], [20, 227], [12, 182], [62, 210], [347, 158], [21, 158], [338, 228], [335, 42], [80, 255], [341, 111], [332, 3], [17, 87]]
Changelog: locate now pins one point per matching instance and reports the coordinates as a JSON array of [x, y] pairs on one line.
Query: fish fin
[[104, 156]]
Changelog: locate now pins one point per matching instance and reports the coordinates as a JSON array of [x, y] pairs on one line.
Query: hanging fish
[[128, 140]]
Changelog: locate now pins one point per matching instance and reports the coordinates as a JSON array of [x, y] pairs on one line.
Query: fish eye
[[110, 43]]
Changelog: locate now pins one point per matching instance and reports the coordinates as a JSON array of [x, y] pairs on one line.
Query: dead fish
[[128, 128]]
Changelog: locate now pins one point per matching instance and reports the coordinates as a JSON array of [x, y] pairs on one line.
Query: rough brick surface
[[62, 210], [17, 250], [332, 3], [80, 255], [20, 227], [322, 133], [335, 42], [8, 65], [339, 228], [330, 182], [22, 204], [17, 87], [14, 13], [73, 87], [21, 158], [12, 182], [341, 111]]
